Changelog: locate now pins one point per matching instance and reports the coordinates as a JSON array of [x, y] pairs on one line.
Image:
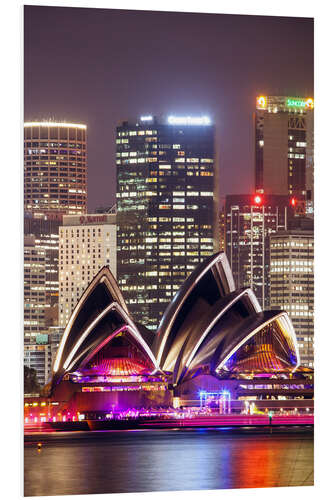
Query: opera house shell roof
[[208, 328]]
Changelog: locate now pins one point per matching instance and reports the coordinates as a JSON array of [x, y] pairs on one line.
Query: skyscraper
[[86, 243], [248, 221], [45, 229], [292, 283], [36, 349], [55, 167], [55, 183], [34, 290], [165, 208], [284, 148]]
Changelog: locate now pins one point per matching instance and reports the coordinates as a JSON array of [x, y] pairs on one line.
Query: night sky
[[100, 67]]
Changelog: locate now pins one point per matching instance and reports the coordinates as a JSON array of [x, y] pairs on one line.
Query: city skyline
[[198, 85], [168, 250]]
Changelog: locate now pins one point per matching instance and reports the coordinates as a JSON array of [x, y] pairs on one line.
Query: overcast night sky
[[100, 67]]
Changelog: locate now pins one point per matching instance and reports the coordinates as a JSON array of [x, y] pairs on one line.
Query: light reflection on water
[[160, 460]]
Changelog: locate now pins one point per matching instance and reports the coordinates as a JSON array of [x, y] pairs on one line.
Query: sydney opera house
[[209, 335]]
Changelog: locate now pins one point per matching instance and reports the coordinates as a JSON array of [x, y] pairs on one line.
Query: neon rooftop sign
[[146, 118], [299, 103], [265, 102], [189, 120]]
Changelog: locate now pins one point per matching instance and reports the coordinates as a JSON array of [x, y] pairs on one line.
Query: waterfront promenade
[[170, 421]]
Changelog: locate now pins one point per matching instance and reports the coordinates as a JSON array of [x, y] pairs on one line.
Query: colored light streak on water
[[164, 460], [255, 460]]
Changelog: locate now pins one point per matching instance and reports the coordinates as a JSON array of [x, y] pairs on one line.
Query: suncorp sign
[[299, 103]]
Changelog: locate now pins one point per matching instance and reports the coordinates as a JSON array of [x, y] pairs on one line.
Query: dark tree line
[[31, 384]]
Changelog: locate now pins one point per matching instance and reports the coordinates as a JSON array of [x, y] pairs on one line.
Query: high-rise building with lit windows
[[45, 229], [284, 148], [55, 167], [165, 208], [248, 221], [36, 348], [86, 244], [34, 290], [221, 224], [292, 283]]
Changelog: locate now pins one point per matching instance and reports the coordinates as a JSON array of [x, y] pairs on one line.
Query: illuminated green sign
[[298, 103], [42, 338]]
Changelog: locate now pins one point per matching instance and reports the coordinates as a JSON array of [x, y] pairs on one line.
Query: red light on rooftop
[[258, 199], [293, 202]]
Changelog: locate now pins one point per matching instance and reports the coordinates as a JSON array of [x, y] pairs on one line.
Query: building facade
[[165, 208], [55, 335], [45, 230], [284, 148], [222, 229], [36, 351], [292, 284], [249, 220], [55, 167], [34, 290], [38, 357], [86, 243]]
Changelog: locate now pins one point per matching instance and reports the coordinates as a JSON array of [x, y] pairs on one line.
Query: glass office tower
[[248, 222], [292, 284], [165, 203]]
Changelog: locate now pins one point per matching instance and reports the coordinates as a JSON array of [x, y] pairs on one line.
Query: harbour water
[[164, 460]]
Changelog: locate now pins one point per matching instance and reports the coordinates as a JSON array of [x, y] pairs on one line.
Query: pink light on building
[[117, 366]]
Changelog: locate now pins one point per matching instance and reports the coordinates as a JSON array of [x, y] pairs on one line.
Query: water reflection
[[112, 462]]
